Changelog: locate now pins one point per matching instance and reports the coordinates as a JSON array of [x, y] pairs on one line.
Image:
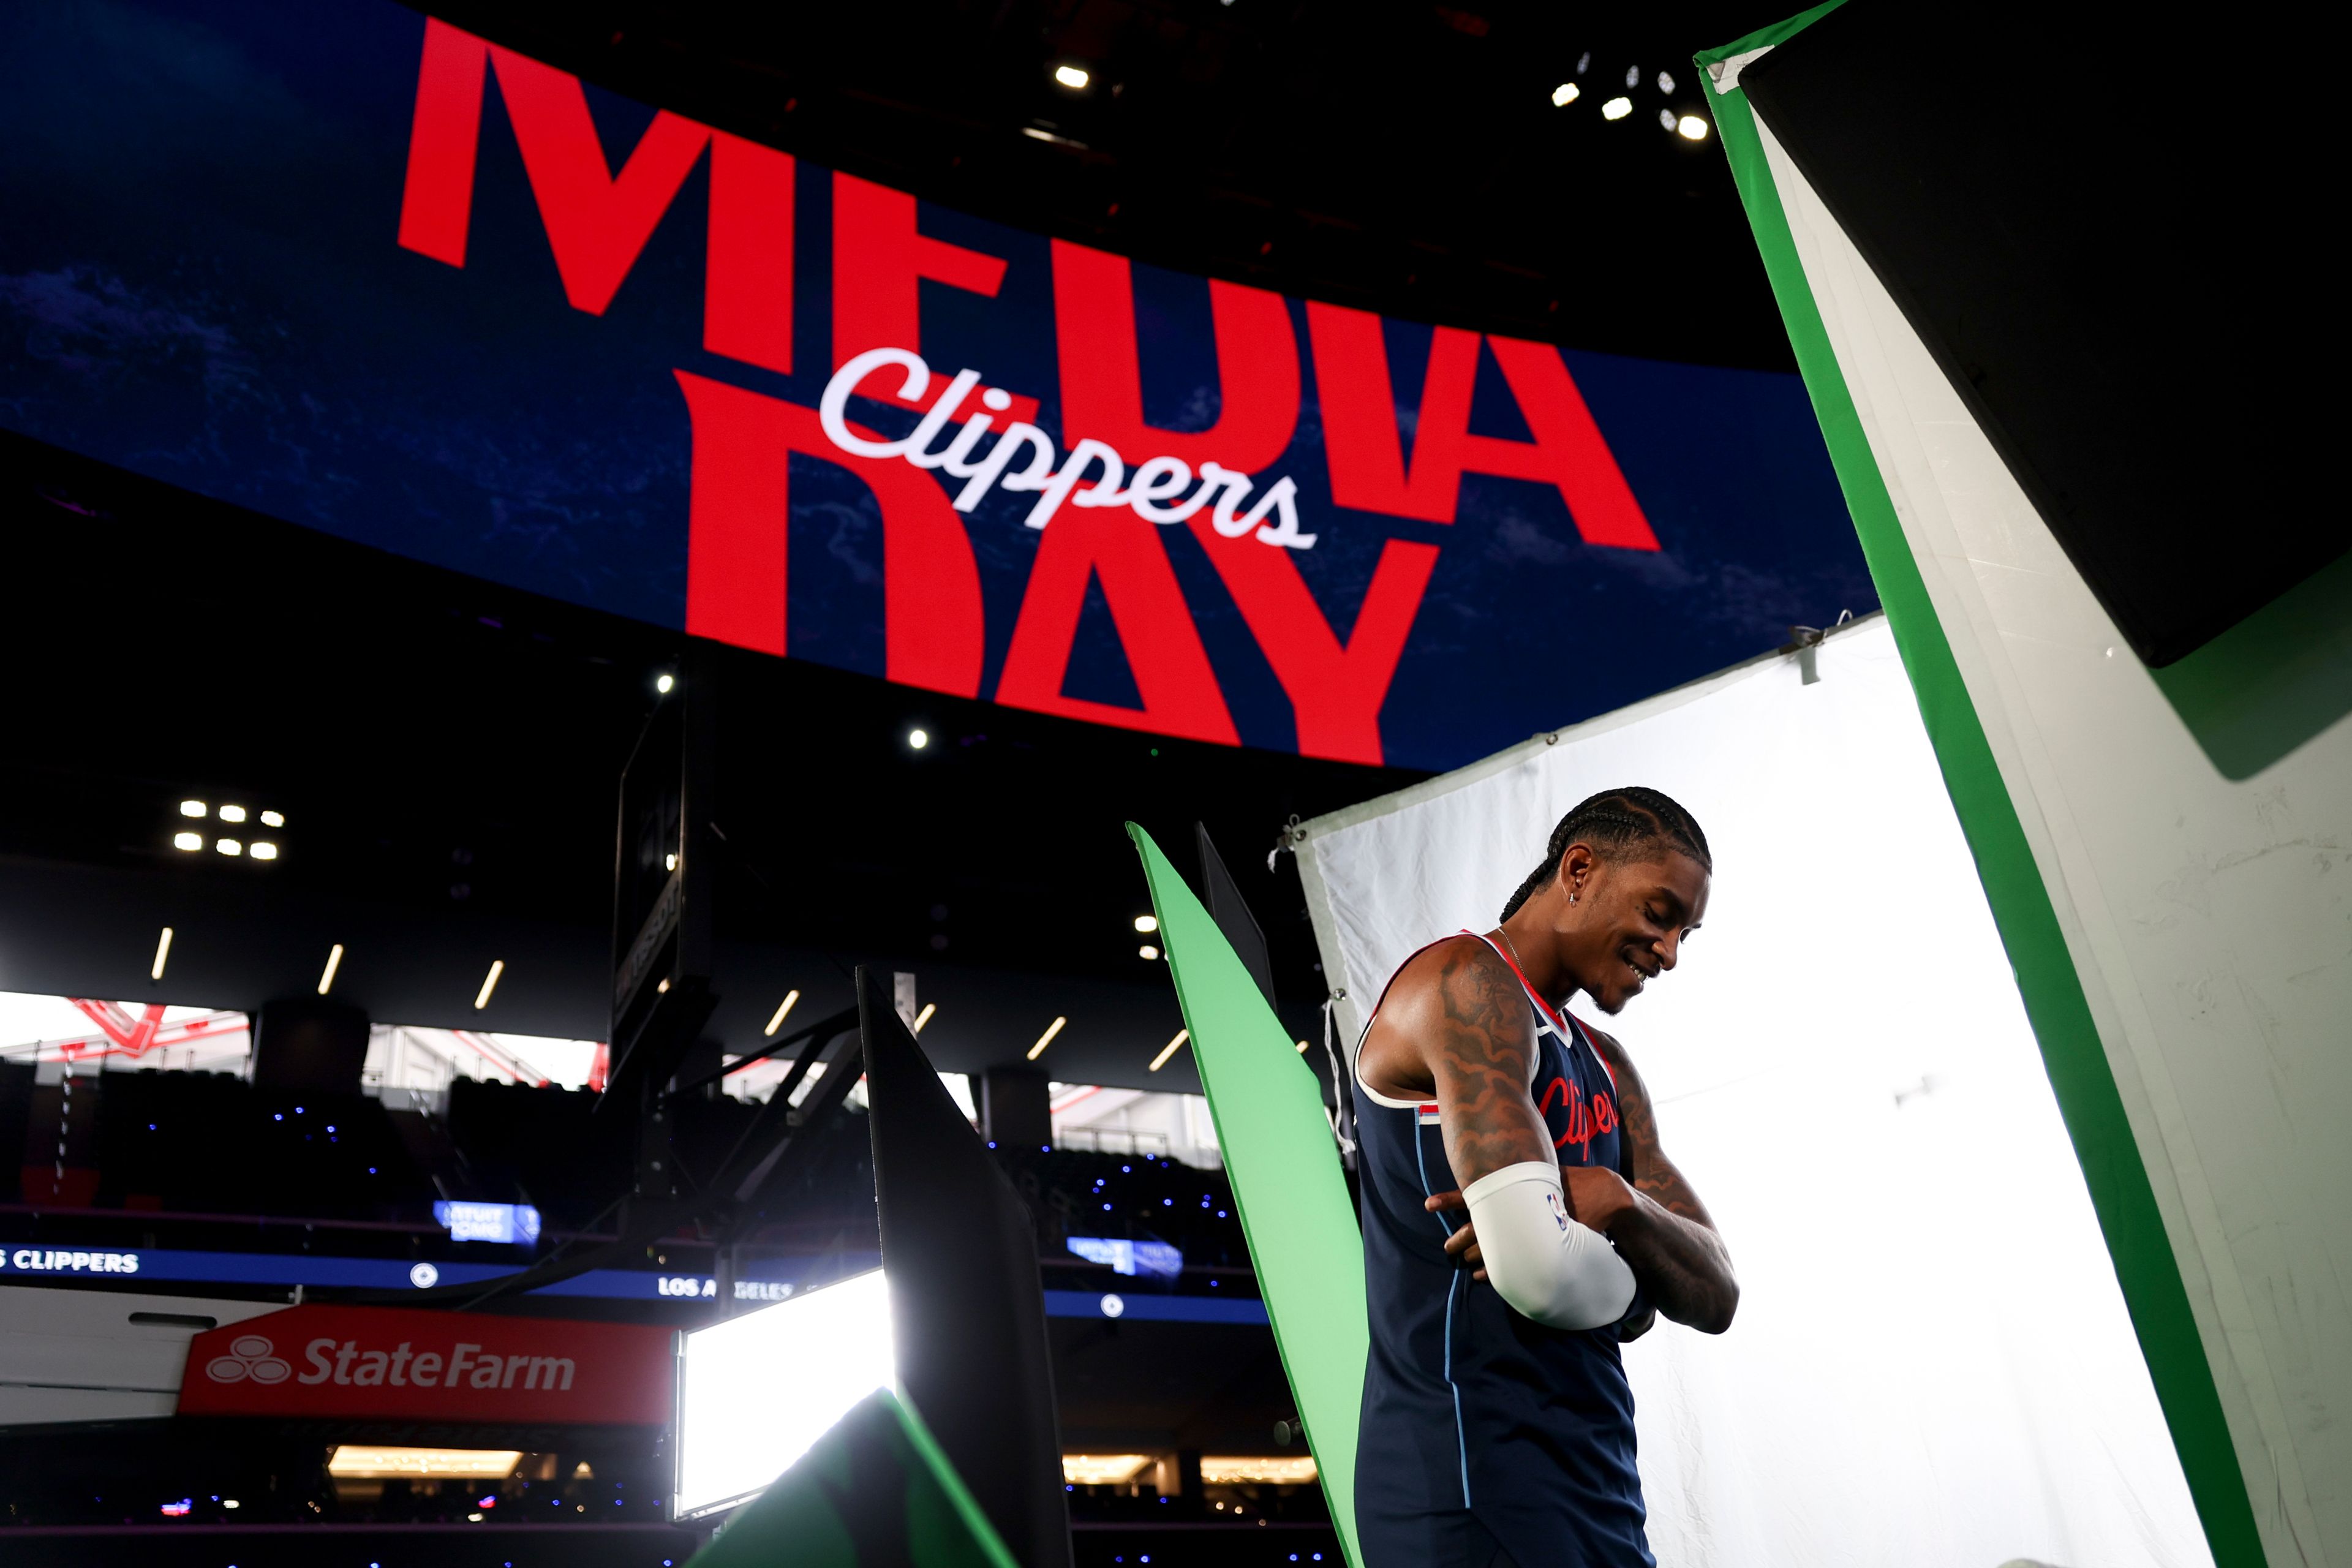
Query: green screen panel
[[2046, 980], [1285, 1169]]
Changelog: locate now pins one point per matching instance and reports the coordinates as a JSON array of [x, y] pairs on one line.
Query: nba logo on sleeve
[[1558, 1211]]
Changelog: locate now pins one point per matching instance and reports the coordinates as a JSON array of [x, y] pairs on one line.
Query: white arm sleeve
[[1547, 1266]]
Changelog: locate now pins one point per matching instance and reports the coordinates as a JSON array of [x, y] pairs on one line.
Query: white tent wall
[[1932, 1362], [2206, 918]]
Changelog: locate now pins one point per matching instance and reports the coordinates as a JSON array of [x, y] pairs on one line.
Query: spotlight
[[1617, 109], [1692, 128], [1632, 76], [1564, 94], [1665, 82], [489, 983], [162, 951], [1147, 951], [1071, 76], [273, 819], [262, 849], [669, 862], [187, 841], [1046, 1038], [1147, 925], [334, 961], [193, 809], [232, 813], [919, 739], [782, 1007], [1666, 119], [1169, 1049], [229, 847], [666, 684]]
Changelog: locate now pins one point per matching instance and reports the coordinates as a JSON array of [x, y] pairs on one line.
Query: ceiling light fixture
[[1691, 128], [1147, 951], [1072, 77], [1102, 1469], [1617, 109], [187, 841], [1564, 94], [1170, 1049], [229, 847], [489, 983], [232, 813], [334, 961], [1147, 925], [193, 808], [162, 951], [919, 739], [1665, 82], [273, 819], [1302, 1048], [1666, 117], [782, 1007], [666, 684], [262, 849], [1632, 76], [1046, 1038], [924, 1016], [353, 1462]]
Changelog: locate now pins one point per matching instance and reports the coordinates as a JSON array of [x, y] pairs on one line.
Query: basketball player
[[1498, 1427]]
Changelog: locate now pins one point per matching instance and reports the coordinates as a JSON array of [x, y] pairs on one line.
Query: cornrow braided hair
[[1616, 820]]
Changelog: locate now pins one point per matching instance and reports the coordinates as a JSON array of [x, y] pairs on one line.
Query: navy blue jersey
[[1482, 1427]]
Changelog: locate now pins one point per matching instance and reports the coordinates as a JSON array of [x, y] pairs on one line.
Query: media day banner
[[355, 267]]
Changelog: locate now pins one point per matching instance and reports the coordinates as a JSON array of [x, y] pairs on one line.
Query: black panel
[[1232, 912], [310, 1042], [2116, 255], [966, 1306], [1016, 1108]]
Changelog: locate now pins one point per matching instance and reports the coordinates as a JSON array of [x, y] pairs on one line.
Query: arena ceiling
[[1409, 159]]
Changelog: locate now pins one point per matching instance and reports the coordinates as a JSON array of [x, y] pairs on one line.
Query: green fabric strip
[[1285, 1169], [2071, 1052], [1764, 38]]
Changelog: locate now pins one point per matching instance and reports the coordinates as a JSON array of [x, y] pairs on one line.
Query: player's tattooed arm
[[1667, 1235], [1480, 1048]]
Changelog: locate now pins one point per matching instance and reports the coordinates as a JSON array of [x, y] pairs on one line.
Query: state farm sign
[[396, 1363]]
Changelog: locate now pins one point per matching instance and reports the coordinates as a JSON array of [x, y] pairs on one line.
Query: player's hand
[[1462, 1247], [1597, 1196]]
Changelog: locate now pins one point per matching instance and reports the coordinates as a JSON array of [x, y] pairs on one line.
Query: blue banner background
[[199, 281]]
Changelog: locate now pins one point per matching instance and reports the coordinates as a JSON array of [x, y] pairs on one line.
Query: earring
[[1572, 898]]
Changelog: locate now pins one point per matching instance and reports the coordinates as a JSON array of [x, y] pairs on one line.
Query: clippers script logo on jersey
[[1581, 1119]]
